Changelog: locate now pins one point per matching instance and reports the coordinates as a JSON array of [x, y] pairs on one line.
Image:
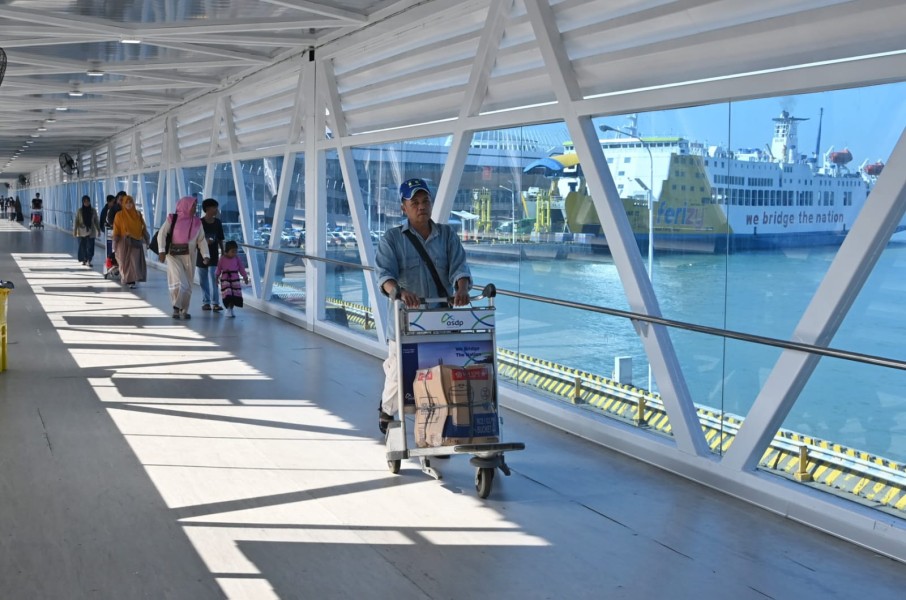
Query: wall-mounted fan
[[23, 180], [68, 164], [2, 64]]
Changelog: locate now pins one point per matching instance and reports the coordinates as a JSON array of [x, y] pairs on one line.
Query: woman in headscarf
[[86, 227], [187, 239], [129, 238]]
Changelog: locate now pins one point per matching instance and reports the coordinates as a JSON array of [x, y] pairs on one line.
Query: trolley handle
[[488, 291]]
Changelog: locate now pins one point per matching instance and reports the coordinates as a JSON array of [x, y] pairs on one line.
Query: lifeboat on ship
[[842, 157], [873, 169]]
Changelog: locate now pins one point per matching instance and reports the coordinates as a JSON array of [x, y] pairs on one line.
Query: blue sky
[[868, 121]]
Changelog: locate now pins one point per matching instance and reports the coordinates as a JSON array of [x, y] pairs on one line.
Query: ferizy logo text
[[451, 321]]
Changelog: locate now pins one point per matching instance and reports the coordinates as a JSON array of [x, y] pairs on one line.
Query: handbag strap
[[420, 248]]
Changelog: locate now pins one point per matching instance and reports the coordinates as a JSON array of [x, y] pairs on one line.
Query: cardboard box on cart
[[455, 405]]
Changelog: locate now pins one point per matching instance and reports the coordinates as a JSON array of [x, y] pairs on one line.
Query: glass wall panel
[[194, 181], [223, 189], [261, 178], [851, 413], [381, 169], [59, 211], [98, 196], [124, 183], [150, 183], [347, 298], [289, 280]]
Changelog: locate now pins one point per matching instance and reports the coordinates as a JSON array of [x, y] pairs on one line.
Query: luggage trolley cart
[[458, 338], [111, 269]]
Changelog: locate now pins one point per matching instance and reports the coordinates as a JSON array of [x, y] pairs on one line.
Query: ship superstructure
[[710, 198]]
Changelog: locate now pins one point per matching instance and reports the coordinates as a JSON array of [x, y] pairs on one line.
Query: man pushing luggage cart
[[419, 264]]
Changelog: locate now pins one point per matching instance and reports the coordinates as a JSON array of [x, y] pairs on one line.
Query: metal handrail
[[870, 359]]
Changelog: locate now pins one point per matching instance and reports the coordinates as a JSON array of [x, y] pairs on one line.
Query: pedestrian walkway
[[142, 457]]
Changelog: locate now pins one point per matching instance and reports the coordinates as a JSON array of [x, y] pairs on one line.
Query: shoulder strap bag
[[153, 247], [420, 248]]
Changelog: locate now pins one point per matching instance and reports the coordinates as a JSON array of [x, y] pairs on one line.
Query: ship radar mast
[[632, 125], [785, 145]]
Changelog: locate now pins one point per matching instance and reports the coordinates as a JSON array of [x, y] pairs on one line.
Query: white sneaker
[[230, 313]]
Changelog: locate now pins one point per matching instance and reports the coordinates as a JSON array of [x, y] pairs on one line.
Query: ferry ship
[[711, 199]]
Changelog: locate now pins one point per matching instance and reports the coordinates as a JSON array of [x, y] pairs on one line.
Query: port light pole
[[649, 189], [512, 210]]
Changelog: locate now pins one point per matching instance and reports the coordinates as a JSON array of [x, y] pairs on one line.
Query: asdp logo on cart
[[451, 320]]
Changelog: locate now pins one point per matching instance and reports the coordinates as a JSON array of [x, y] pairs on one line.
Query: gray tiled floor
[[142, 457]]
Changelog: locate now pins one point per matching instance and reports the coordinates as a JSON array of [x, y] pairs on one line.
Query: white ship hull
[[709, 199]]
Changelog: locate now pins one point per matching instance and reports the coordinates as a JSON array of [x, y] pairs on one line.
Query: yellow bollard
[[577, 391], [641, 421], [802, 474]]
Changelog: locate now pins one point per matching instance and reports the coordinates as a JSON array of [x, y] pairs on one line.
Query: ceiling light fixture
[[128, 40], [62, 108], [76, 93], [51, 120], [42, 128], [93, 72]]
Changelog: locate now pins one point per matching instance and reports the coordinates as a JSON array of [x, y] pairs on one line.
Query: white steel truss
[[451, 68]]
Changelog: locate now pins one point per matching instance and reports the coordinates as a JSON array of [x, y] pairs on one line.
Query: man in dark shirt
[[117, 207], [207, 278], [103, 217]]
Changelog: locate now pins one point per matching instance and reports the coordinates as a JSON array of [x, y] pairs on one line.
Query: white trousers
[[389, 402], [180, 277]]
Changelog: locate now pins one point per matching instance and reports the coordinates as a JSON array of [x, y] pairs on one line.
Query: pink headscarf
[[187, 224]]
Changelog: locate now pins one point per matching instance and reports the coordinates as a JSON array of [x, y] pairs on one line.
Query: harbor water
[[763, 293]]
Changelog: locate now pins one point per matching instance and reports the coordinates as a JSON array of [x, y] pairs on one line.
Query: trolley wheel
[[394, 466], [484, 480]]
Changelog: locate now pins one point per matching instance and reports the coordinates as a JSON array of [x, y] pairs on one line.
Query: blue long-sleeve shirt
[[397, 259]]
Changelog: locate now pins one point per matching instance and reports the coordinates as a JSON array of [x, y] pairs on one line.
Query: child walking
[[229, 269]]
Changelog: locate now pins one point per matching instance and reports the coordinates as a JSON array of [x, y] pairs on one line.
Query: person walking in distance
[[86, 227], [213, 233], [229, 270], [403, 274], [186, 240], [130, 235]]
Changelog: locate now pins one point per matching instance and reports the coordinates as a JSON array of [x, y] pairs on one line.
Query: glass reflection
[[150, 183], [289, 277], [261, 179]]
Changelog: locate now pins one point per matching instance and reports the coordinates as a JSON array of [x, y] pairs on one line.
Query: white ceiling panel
[[393, 63]]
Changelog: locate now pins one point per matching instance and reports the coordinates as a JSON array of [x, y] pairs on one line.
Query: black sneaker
[[383, 421]]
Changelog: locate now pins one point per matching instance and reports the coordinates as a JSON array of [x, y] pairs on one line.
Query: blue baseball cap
[[410, 186]]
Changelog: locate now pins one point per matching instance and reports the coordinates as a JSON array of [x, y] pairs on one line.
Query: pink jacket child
[[229, 270]]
